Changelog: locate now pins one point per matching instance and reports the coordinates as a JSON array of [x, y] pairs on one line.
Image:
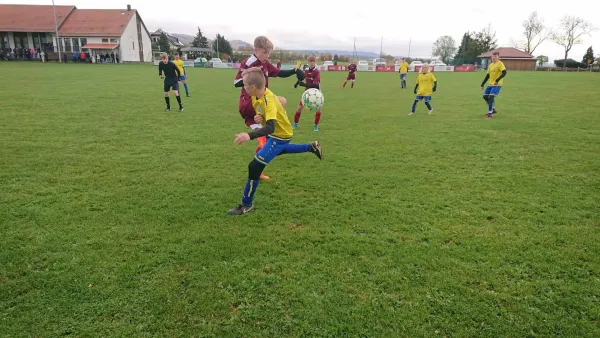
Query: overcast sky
[[328, 26]]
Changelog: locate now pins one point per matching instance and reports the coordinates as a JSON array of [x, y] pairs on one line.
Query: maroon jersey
[[351, 68], [268, 69], [313, 77]]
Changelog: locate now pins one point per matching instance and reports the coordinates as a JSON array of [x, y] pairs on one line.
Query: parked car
[[378, 62]]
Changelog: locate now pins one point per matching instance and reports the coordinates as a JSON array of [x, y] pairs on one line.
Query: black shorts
[[171, 85]]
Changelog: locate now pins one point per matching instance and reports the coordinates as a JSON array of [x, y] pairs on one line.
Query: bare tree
[[533, 29], [444, 47], [570, 32]]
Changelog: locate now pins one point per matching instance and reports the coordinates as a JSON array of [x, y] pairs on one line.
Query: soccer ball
[[313, 99]]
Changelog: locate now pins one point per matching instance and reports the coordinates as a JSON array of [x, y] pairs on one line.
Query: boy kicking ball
[[270, 113], [426, 85]]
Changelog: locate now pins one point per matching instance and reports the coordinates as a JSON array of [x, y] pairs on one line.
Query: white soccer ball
[[313, 99]]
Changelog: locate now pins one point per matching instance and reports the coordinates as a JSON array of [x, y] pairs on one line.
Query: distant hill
[[360, 54], [235, 44], [184, 38]]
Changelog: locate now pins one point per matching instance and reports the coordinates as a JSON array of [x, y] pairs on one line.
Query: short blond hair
[[425, 68], [254, 77], [263, 42], [162, 55]]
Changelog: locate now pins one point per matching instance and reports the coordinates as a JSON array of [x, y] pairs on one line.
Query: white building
[[118, 31], [174, 42]]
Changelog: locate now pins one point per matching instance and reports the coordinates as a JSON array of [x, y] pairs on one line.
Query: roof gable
[[507, 53], [96, 22], [32, 18]]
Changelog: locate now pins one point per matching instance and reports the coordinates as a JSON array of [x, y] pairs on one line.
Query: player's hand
[[241, 138], [258, 119], [434, 88], [481, 87], [415, 92], [161, 77]]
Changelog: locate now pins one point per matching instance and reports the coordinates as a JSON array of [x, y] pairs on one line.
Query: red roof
[[31, 18], [508, 53], [100, 46], [96, 22]]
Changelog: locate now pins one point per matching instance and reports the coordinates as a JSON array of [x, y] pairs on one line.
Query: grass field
[[113, 213]]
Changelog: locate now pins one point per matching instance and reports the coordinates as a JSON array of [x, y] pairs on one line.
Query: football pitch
[[113, 213]]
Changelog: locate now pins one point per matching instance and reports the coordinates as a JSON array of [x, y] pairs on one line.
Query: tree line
[[569, 32]]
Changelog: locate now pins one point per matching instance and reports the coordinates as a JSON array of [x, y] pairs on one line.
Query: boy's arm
[[238, 82], [160, 69], [269, 128], [434, 85], [487, 77], [501, 76]]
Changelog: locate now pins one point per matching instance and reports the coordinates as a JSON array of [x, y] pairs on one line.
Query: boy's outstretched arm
[[416, 87], [269, 128]]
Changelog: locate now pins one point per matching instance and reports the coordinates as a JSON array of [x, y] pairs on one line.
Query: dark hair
[[496, 53]]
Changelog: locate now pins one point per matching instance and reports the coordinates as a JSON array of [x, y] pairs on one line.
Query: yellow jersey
[[179, 64], [404, 67], [425, 82], [495, 70], [271, 109]]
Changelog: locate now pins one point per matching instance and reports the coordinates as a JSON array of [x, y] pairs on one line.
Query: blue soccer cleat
[[316, 128], [294, 125]]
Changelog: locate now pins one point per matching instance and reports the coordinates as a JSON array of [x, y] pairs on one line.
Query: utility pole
[[56, 31]]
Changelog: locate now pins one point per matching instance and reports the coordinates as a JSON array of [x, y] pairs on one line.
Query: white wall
[[30, 40], [147, 43], [129, 42]]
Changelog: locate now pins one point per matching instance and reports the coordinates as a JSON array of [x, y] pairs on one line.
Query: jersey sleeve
[[271, 107], [502, 67], [238, 76], [273, 71], [433, 78]]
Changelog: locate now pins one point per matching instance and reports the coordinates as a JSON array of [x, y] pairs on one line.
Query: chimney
[[128, 7]]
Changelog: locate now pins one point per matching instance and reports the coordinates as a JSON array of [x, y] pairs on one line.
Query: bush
[[570, 63]]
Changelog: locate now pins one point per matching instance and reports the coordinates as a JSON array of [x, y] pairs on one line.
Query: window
[[83, 42], [133, 45], [67, 42], [113, 41], [3, 40], [104, 40], [76, 45], [21, 40]]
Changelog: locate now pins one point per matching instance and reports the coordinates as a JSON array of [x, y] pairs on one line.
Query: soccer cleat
[[494, 111], [489, 115], [431, 112], [412, 113], [316, 128], [240, 210], [315, 148], [264, 177], [187, 95], [168, 110], [180, 109], [294, 125]]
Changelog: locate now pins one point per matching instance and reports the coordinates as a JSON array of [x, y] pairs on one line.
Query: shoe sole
[[320, 151]]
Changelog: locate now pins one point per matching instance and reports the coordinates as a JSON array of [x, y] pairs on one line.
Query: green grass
[[112, 212]]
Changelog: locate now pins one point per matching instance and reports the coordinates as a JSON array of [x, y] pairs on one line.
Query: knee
[[491, 98], [486, 97], [255, 168], [282, 100]]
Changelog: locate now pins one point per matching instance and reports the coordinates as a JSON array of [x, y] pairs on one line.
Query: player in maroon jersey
[[313, 80], [262, 49], [351, 74]]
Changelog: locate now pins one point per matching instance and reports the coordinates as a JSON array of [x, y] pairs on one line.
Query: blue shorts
[[182, 78], [492, 90], [403, 76], [421, 97], [271, 149]]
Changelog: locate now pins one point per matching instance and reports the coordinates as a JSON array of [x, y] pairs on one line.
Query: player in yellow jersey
[[426, 85], [496, 73], [179, 63], [403, 72], [271, 114]]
